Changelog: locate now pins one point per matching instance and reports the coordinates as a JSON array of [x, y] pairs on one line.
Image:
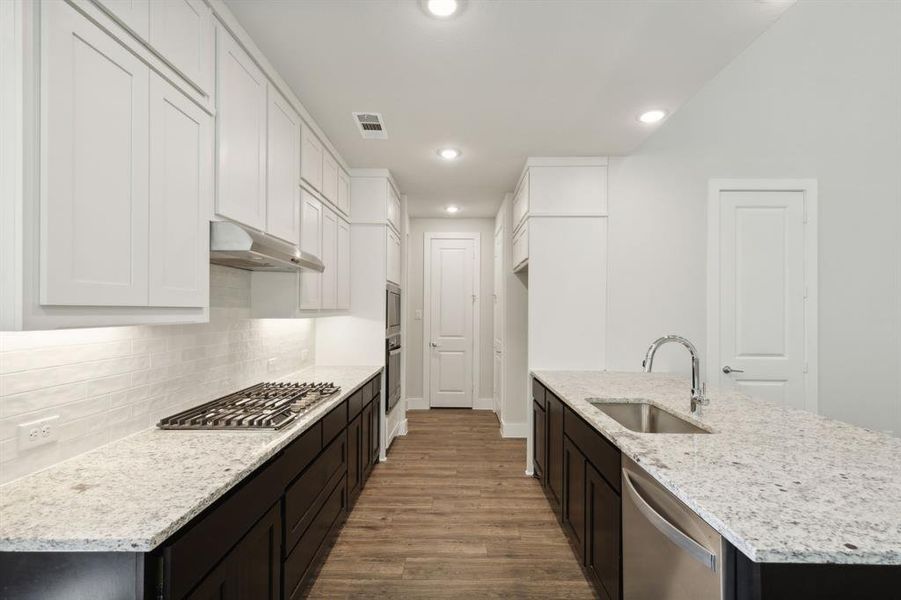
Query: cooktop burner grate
[[262, 406]]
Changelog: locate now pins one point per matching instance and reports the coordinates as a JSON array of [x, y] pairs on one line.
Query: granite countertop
[[782, 485], [132, 494]]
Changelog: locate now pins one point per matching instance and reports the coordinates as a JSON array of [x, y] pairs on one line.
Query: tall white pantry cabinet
[[125, 127]]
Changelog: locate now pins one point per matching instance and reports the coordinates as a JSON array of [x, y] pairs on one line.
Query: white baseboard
[[483, 404], [400, 429], [514, 430], [417, 404]]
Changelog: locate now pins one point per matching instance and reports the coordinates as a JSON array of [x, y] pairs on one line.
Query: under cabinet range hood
[[233, 245]]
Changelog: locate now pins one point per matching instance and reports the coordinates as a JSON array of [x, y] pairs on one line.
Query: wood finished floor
[[452, 515]]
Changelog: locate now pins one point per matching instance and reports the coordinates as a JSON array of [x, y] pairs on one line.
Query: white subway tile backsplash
[[106, 383]]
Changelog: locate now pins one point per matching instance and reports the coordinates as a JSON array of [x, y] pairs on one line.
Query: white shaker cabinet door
[[343, 265], [329, 259], [283, 179], [310, 241], [330, 178], [393, 267], [134, 14], [393, 208], [343, 192], [182, 31], [94, 163], [181, 194], [311, 159], [241, 123]]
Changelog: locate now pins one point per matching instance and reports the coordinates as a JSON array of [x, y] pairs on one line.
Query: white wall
[[816, 96], [413, 342], [106, 383]]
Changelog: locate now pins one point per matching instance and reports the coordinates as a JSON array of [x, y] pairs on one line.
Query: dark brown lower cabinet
[[574, 496], [252, 569], [354, 461], [374, 431], [554, 413], [366, 440], [539, 441], [603, 535]]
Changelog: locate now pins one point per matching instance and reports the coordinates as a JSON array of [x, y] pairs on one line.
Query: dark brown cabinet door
[[555, 449], [603, 524], [574, 495], [354, 473], [366, 441], [375, 429], [220, 584], [257, 558], [539, 441]]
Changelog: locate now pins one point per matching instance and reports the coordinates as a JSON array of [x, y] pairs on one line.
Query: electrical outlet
[[418, 314], [37, 433], [272, 365]]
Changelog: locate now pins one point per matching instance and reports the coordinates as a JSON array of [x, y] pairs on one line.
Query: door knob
[[727, 369], [433, 344]]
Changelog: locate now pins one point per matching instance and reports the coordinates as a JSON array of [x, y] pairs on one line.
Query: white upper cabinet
[[134, 14], [182, 32], [310, 241], [393, 208], [343, 265], [393, 258], [330, 178], [241, 122], [311, 158], [521, 202], [94, 171], [329, 259], [283, 169], [343, 192], [181, 194]]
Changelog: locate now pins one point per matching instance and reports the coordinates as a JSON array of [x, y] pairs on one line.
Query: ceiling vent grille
[[371, 125]]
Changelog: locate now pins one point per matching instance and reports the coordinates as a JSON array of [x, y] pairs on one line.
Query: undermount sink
[[644, 417]]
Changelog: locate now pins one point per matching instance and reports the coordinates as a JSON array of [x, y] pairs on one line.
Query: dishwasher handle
[[672, 533]]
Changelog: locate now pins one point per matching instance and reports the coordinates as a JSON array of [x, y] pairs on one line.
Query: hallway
[[452, 515]]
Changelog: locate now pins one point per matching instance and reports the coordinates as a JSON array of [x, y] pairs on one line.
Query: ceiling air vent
[[370, 125]]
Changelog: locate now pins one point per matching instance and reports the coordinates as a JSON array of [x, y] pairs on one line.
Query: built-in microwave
[[392, 310]]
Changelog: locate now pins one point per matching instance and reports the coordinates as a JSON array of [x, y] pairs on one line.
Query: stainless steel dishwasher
[[669, 552]]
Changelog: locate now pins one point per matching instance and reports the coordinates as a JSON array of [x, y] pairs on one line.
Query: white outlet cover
[[39, 432], [419, 314]]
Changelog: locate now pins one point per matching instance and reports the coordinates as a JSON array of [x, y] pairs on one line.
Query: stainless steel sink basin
[[645, 418]]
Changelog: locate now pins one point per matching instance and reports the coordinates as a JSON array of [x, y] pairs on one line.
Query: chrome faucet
[[698, 389]]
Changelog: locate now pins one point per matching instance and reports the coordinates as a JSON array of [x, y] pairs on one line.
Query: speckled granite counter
[[134, 493], [782, 485]]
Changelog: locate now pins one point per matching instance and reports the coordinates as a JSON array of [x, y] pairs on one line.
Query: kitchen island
[[782, 486], [129, 504]]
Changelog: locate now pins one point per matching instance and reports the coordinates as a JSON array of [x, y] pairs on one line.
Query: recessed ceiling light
[[449, 153], [452, 209], [441, 8], [652, 116]]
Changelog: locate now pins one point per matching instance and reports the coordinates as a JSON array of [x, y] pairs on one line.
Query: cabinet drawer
[[334, 422], [538, 392], [327, 519], [604, 456], [302, 451], [376, 383], [355, 403], [309, 493]]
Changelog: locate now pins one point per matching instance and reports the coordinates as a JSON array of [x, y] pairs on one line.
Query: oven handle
[[672, 533]]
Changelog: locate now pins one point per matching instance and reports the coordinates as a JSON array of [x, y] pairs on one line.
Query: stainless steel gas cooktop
[[262, 406]]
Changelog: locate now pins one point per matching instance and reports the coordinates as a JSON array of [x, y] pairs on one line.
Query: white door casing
[[762, 289], [451, 318], [498, 319]]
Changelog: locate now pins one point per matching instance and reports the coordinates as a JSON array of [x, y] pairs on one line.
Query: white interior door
[[498, 319], [762, 294], [450, 297]]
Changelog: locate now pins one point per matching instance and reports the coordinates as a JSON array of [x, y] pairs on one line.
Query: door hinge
[[473, 298], [805, 290], [804, 368]]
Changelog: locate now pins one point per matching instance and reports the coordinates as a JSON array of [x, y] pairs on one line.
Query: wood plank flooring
[[451, 514]]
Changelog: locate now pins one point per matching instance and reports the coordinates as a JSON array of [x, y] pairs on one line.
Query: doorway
[[451, 321], [762, 289]]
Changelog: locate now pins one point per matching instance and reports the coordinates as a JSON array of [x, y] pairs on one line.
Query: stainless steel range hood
[[233, 245]]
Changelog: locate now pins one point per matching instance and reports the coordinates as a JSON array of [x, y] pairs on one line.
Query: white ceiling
[[502, 81]]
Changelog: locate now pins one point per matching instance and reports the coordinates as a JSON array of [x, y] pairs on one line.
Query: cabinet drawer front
[[302, 451], [327, 520], [334, 422], [355, 403], [308, 494], [602, 454], [376, 383], [538, 392]]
